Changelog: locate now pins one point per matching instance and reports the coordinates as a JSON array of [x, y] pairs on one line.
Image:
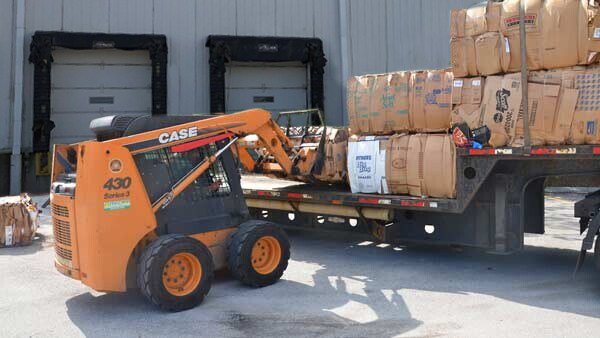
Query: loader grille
[[63, 253], [60, 210], [62, 232]]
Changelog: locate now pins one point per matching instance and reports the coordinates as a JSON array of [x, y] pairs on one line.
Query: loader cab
[[214, 201]]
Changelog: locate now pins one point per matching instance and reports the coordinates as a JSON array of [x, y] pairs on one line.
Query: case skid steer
[[156, 203]]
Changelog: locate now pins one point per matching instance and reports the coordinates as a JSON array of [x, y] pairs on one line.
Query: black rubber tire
[[239, 251], [150, 268]]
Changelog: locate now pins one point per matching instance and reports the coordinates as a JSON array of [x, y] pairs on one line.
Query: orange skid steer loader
[[157, 203]]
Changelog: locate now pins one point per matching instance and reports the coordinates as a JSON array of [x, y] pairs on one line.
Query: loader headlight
[[115, 165]]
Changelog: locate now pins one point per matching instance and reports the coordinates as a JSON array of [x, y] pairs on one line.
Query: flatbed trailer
[[499, 198]]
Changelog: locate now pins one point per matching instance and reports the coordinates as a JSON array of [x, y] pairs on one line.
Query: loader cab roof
[[116, 126]]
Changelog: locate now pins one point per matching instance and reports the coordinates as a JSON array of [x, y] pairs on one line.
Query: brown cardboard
[[416, 93], [560, 29], [491, 54], [18, 220], [542, 106], [584, 128], [381, 102], [438, 101], [469, 113], [492, 15], [467, 90], [439, 165], [336, 147], [500, 108], [457, 23], [362, 103], [396, 164], [475, 21], [415, 174], [351, 105], [463, 57], [561, 124], [390, 104]]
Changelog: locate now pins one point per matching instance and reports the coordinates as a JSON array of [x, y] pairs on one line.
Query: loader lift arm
[[249, 122]]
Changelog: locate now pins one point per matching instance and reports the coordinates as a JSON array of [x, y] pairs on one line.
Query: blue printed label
[[591, 128]]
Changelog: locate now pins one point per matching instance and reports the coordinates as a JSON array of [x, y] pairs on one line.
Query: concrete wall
[[6, 73]]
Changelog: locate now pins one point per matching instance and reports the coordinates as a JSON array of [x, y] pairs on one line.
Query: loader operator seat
[[115, 126]]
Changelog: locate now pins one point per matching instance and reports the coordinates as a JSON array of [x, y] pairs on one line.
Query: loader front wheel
[[258, 253], [175, 272]]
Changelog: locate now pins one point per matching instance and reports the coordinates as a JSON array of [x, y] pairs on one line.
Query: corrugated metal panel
[[6, 24], [178, 23], [85, 15], [212, 17], [256, 17], [130, 16], [388, 35], [327, 28], [294, 18]]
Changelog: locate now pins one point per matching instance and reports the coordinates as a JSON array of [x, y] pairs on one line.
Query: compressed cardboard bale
[[366, 164], [439, 165], [438, 101], [463, 57], [491, 54], [417, 99], [493, 13], [362, 97], [19, 220], [467, 90], [500, 108], [542, 106], [415, 172], [336, 147], [586, 119], [457, 23], [561, 123], [396, 163], [351, 105], [398, 116], [509, 27], [469, 113], [560, 30], [389, 104], [475, 21]]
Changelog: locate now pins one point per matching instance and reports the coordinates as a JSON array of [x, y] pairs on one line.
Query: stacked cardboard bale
[[18, 220], [383, 109]]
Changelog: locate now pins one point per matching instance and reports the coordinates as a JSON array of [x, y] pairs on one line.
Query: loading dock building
[[66, 62]]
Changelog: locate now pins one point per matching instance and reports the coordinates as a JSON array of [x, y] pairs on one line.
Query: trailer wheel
[[258, 253], [175, 272]]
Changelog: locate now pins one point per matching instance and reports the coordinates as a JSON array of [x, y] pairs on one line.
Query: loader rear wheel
[[258, 253], [175, 272]]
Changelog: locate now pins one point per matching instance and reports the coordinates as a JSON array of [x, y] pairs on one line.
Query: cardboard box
[[462, 57], [396, 163], [476, 20], [362, 102], [366, 164], [467, 90], [500, 108], [491, 54], [457, 23], [19, 220], [542, 106], [417, 98], [415, 159], [469, 113]]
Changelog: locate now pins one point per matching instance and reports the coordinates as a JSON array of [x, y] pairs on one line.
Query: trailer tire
[[258, 253], [164, 261]]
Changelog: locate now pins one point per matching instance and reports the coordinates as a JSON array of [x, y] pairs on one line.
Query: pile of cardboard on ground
[[18, 220]]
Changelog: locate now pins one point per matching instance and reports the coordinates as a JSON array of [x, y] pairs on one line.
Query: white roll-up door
[[275, 87], [87, 84]]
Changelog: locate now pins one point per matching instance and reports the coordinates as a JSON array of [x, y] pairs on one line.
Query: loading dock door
[[275, 87], [87, 84]]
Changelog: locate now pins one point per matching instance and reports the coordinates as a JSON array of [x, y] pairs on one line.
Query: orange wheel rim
[[181, 274], [266, 254]]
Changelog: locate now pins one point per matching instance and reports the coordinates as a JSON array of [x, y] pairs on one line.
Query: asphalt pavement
[[335, 286]]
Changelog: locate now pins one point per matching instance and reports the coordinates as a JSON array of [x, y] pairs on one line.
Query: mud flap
[[588, 241]]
